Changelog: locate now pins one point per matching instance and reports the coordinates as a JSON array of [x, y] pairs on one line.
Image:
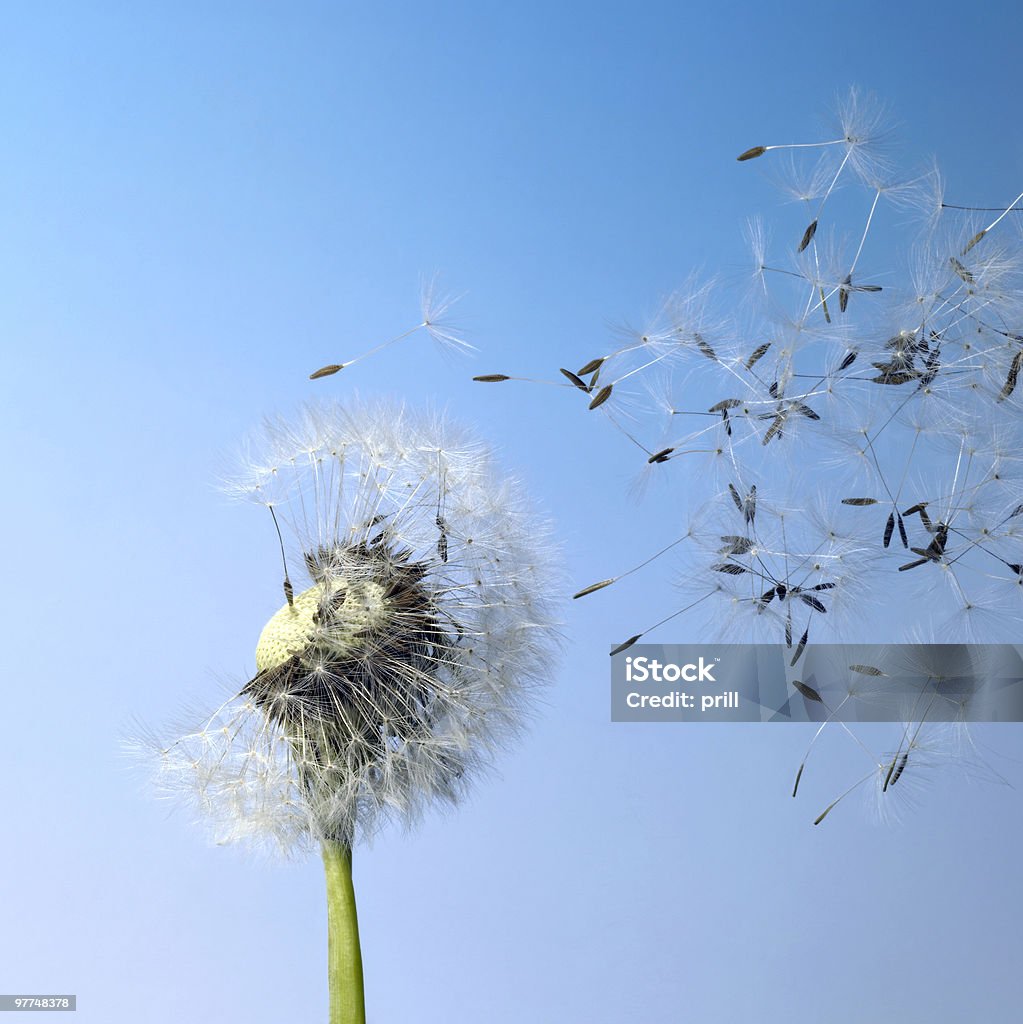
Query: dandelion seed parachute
[[409, 655]]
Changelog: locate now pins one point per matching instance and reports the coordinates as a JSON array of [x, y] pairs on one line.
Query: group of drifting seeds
[[898, 400], [891, 384], [902, 397]]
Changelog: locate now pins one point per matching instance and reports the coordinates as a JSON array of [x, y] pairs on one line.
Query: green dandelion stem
[[344, 955]]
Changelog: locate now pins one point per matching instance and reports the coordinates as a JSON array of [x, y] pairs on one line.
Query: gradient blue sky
[[203, 203]]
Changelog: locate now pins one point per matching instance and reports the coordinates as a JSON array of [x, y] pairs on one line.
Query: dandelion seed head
[[409, 655]]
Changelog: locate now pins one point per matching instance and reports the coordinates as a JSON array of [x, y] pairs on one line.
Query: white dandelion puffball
[[413, 648]]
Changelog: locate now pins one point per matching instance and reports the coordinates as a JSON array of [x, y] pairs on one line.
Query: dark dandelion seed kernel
[[973, 241], [725, 404], [848, 361], [889, 529], [591, 366], [888, 777], [960, 270], [808, 692], [625, 646], [801, 646], [442, 540], [757, 354], [812, 601], [843, 293], [807, 236], [866, 670], [827, 810], [752, 154], [896, 377], [913, 565], [492, 378], [735, 497], [902, 531], [736, 545], [932, 366], [730, 568], [900, 768], [1010, 382], [705, 348], [577, 381], [602, 396], [326, 371], [593, 588], [859, 501], [775, 428], [799, 775], [661, 456]]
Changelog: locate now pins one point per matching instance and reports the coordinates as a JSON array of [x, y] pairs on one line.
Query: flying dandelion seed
[[435, 310]]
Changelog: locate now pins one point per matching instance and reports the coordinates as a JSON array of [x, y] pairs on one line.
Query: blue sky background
[[203, 203]]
